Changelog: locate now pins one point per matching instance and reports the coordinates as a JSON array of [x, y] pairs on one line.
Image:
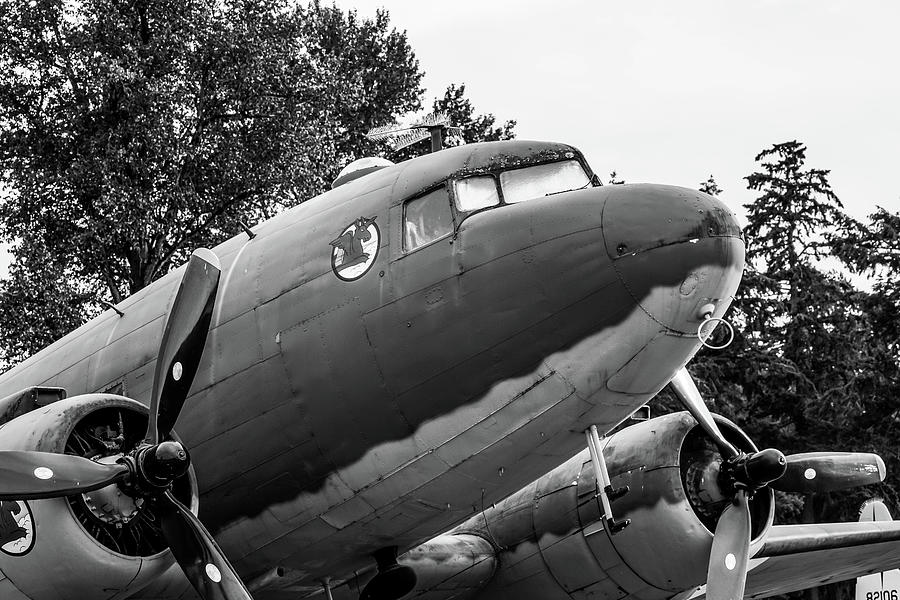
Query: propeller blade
[[201, 559], [812, 472], [727, 572], [686, 390], [26, 475], [182, 342]]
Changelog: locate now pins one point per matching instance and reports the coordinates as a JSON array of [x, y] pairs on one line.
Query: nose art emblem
[[16, 527], [355, 249]]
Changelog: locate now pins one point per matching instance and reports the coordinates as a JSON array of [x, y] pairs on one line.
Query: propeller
[[34, 475], [744, 474], [182, 343], [814, 472], [196, 551], [730, 554], [686, 390], [148, 470]]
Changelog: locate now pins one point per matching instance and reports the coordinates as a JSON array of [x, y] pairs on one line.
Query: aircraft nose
[[675, 250]]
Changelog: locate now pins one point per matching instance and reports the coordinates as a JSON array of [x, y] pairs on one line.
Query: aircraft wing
[[796, 557]]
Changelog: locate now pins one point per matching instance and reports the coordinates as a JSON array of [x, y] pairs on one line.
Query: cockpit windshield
[[428, 218], [542, 180], [474, 193]]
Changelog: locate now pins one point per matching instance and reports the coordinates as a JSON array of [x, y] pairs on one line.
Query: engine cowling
[[102, 544], [550, 538], [672, 466]]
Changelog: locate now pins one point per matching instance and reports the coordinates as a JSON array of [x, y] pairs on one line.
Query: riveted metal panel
[[666, 351], [647, 216], [331, 369], [564, 476], [523, 575], [424, 467], [669, 520], [451, 565], [511, 524], [233, 346], [8, 591], [597, 538], [227, 457], [131, 348], [572, 563], [607, 589], [562, 544]]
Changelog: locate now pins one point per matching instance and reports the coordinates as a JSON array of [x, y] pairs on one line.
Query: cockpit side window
[[426, 219], [542, 180], [474, 193]]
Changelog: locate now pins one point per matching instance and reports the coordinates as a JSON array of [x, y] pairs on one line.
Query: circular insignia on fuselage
[[16, 527], [355, 249]]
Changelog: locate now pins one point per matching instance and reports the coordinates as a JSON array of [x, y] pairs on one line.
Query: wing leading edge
[[796, 557]]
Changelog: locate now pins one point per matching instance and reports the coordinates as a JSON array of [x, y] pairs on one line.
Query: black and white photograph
[[471, 300]]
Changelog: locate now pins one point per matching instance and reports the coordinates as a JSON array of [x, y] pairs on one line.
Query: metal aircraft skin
[[339, 409], [382, 363], [548, 541]]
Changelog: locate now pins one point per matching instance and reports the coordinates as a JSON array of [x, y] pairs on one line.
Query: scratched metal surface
[[330, 418]]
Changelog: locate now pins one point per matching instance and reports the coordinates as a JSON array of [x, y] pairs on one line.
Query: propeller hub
[[756, 470], [163, 463]]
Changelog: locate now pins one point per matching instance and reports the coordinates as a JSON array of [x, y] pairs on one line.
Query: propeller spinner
[[148, 470], [744, 474]]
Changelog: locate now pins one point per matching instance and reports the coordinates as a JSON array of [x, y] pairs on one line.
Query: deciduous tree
[[132, 132]]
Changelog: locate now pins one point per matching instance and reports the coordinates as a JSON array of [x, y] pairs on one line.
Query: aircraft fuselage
[[360, 389]]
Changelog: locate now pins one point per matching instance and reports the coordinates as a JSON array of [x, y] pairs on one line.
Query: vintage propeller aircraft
[[398, 358]]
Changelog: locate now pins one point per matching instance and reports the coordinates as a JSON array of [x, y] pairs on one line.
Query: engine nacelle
[[100, 545], [671, 467], [550, 535]]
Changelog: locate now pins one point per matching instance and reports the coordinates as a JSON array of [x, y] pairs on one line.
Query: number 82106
[[883, 595]]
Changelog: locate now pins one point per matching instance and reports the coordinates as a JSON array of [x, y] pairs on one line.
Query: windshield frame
[[454, 217], [460, 215]]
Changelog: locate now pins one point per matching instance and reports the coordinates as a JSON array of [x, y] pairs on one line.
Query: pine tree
[[812, 366], [461, 114], [711, 187]]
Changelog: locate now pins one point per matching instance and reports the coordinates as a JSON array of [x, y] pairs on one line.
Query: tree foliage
[[475, 128], [132, 132], [710, 187], [815, 363], [874, 250], [461, 114]]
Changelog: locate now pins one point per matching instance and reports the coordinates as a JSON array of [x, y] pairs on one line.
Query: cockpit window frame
[[460, 216], [404, 251]]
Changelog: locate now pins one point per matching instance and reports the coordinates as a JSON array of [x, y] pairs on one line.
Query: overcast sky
[[671, 92]]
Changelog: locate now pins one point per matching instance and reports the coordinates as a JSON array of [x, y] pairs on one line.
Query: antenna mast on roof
[[402, 135]]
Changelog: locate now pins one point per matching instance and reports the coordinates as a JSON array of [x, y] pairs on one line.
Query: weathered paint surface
[[330, 418], [548, 541], [549, 537], [63, 556]]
